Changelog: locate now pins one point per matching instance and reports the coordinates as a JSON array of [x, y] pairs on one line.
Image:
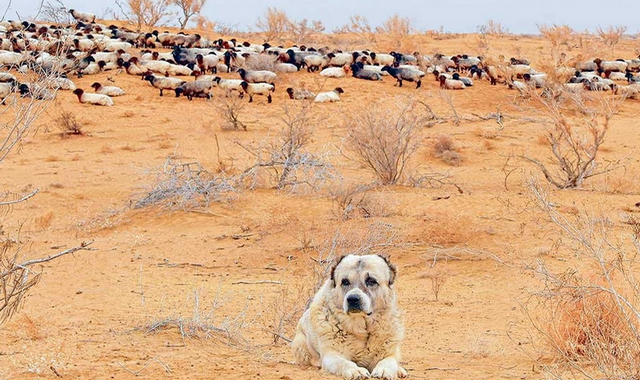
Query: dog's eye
[[345, 282], [371, 282]]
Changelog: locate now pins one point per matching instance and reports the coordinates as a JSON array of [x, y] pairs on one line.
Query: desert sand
[[243, 269]]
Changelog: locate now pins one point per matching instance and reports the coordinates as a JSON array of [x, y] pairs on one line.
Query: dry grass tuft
[[444, 148], [68, 125]]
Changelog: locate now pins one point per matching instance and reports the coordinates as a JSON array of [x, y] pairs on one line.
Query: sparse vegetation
[[188, 9], [144, 13], [68, 124], [444, 148], [384, 138]]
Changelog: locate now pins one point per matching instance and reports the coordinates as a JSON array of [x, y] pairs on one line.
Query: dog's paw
[[402, 373], [383, 373], [356, 373]]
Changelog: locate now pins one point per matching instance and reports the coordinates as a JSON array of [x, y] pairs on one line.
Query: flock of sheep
[[89, 48]]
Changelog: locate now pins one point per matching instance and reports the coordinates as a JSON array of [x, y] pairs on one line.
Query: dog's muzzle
[[354, 304]]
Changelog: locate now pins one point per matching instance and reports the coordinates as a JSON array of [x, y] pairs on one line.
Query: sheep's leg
[[250, 98], [399, 82], [269, 98], [160, 92]]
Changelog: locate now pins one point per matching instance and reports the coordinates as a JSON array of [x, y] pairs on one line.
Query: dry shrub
[[68, 124], [384, 136], [437, 277], [143, 13], [44, 221], [590, 310], [557, 35], [611, 36], [286, 310], [493, 28], [231, 109], [444, 148], [359, 201], [188, 9], [187, 186], [359, 26], [487, 133]]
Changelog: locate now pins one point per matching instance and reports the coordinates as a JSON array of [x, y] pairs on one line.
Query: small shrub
[[444, 148], [68, 124]]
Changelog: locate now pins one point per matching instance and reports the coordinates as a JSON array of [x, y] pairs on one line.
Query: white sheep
[[316, 62], [382, 59], [6, 89], [300, 94], [286, 67], [335, 72], [95, 99], [611, 65], [258, 89], [117, 45], [107, 90], [83, 16], [229, 85], [340, 59], [451, 84], [60, 84], [329, 96], [10, 58]]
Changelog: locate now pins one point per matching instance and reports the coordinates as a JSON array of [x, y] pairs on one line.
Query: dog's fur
[[353, 327]]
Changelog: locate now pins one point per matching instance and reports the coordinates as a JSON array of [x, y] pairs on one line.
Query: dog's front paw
[[356, 373], [381, 372], [402, 373]]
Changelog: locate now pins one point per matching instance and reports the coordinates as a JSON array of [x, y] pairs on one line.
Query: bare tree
[[56, 13], [611, 36], [396, 27], [188, 9], [273, 24], [358, 25], [574, 142], [146, 13], [302, 31]]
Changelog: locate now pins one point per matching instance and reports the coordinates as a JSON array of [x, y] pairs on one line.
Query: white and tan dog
[[353, 327]]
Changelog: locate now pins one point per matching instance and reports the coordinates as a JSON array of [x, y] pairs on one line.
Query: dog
[[353, 327]]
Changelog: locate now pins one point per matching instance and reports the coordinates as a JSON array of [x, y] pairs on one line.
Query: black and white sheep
[[329, 96], [198, 89], [451, 84], [403, 73], [107, 90], [357, 71], [229, 85], [83, 16], [258, 89], [95, 99], [163, 83]]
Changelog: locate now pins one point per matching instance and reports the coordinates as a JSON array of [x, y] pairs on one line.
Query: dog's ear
[[333, 269], [393, 272]]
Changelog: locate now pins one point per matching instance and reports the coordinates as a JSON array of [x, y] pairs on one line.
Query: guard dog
[[353, 327]]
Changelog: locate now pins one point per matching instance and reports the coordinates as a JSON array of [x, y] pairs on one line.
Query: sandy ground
[[245, 266]]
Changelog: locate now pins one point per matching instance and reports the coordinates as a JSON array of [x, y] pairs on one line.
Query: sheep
[[382, 59], [329, 96], [35, 91], [335, 72], [632, 79], [411, 75], [286, 67], [163, 83], [257, 76], [132, 69], [615, 75], [315, 62], [6, 77], [10, 58], [586, 66], [61, 83], [178, 70], [519, 61], [633, 64], [199, 89], [451, 84], [340, 59], [573, 87], [6, 88], [629, 91], [229, 85], [83, 16], [465, 63], [258, 89], [117, 45], [468, 82], [519, 70], [358, 72], [95, 99], [437, 74], [375, 69], [611, 65], [107, 90], [300, 94], [535, 80], [208, 62], [404, 58], [92, 69], [596, 86]]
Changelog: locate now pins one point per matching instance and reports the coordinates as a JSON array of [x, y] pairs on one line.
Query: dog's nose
[[354, 302]]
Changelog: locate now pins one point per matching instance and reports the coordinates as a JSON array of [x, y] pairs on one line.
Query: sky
[[458, 16]]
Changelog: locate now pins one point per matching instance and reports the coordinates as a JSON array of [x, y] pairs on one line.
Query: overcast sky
[[518, 16]]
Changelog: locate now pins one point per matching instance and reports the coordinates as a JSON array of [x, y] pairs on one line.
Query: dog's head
[[363, 284]]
